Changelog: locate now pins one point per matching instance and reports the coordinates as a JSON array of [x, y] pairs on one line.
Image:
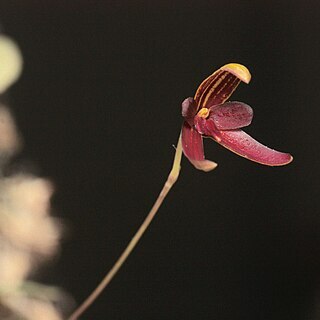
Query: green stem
[[172, 178]]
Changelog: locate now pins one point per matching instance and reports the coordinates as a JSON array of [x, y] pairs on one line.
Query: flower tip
[[282, 160], [290, 159], [239, 71], [204, 165]]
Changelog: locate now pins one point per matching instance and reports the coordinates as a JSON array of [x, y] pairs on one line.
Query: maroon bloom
[[208, 115]]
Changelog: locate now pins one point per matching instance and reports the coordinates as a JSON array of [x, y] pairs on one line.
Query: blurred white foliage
[[32, 309], [9, 138], [10, 62], [28, 233], [24, 214]]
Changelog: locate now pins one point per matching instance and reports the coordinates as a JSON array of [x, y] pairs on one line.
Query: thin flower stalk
[[172, 178]]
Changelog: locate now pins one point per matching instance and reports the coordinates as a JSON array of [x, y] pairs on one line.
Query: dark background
[[98, 106]]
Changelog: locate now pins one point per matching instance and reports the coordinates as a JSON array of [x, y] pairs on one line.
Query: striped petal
[[231, 115], [242, 144], [219, 86], [192, 147]]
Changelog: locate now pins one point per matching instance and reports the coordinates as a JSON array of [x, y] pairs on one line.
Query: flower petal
[[192, 147], [219, 86], [231, 115], [207, 127], [242, 144], [189, 110]]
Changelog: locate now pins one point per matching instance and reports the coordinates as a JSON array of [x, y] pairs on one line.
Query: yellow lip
[[203, 113]]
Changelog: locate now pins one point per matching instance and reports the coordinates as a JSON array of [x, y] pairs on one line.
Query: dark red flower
[[208, 115]]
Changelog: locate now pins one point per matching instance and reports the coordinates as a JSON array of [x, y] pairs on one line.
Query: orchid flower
[[209, 115]]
